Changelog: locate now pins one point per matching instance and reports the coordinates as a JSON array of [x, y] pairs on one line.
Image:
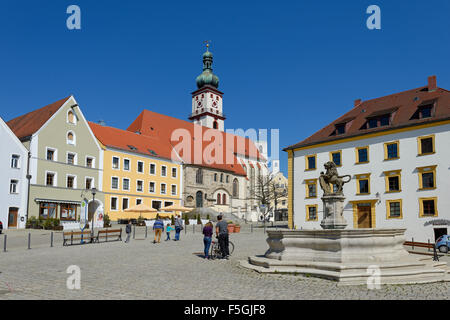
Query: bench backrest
[[110, 231], [76, 233]]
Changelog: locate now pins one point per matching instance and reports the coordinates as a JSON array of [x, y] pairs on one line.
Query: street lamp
[[94, 192]]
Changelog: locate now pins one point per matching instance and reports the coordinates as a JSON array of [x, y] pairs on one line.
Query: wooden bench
[[80, 237], [419, 244], [108, 234]]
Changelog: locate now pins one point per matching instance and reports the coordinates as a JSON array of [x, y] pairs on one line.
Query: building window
[[235, 188], [89, 162], [156, 204], [47, 210], [70, 138], [336, 157], [114, 183], [311, 212], [151, 187], [89, 183], [427, 177], [138, 201], [221, 177], [68, 211], [428, 207], [163, 188], [394, 209], [126, 184], [15, 161], [50, 179], [423, 112], [174, 189], [311, 162], [215, 177], [224, 199], [13, 186], [126, 164], [363, 183], [51, 155], [393, 181], [425, 145], [174, 172], [378, 121], [218, 198], [70, 182], [391, 150], [140, 167], [125, 203], [228, 179], [311, 188], [71, 158], [152, 168], [115, 163], [362, 155], [199, 176], [70, 117], [163, 171], [140, 186], [113, 203]]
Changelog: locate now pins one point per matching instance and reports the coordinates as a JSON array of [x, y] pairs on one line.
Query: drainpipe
[[29, 179]]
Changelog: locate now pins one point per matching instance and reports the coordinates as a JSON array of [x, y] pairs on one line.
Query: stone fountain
[[348, 256]]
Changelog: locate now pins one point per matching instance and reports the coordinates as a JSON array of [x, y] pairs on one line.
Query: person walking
[[128, 231], [158, 226], [222, 234], [168, 229], [207, 233], [178, 227]]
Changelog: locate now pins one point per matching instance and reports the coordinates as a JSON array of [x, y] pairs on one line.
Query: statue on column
[[330, 178]]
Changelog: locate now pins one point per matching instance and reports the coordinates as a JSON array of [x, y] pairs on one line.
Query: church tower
[[207, 100]]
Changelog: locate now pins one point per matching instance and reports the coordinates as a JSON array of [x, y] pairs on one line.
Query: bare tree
[[267, 192]]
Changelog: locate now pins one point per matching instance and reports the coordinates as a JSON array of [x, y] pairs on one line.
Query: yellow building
[[137, 169]]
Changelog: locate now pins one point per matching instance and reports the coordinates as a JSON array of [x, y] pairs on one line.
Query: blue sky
[[289, 65]]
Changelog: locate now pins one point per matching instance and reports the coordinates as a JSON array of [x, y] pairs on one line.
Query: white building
[[396, 149], [13, 177]]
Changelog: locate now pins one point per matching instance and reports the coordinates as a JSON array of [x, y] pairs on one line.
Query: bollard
[[29, 240], [4, 243], [185, 229], [134, 231], [145, 232], [412, 244], [428, 245], [251, 227], [193, 228], [51, 239]]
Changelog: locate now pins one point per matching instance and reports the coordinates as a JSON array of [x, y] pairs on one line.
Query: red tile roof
[[27, 124], [154, 124], [126, 140], [402, 107]]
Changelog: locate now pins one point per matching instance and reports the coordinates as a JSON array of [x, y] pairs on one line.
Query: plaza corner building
[[137, 169], [65, 161], [396, 149]]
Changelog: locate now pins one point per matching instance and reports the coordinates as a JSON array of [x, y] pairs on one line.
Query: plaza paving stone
[[171, 270]]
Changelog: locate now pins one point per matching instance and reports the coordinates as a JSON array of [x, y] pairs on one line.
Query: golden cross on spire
[[207, 43]]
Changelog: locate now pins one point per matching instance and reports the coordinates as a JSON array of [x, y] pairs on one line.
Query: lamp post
[[94, 192]]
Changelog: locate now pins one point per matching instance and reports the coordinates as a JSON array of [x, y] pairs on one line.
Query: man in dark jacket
[[128, 231]]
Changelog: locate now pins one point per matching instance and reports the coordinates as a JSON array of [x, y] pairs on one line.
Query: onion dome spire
[[207, 77]]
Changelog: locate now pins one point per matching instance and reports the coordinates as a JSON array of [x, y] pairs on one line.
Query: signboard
[[437, 222], [98, 221], [83, 219]]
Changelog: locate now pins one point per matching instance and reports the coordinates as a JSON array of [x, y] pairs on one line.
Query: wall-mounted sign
[[437, 222]]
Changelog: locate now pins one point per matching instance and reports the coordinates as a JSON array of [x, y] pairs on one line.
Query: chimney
[[357, 102], [432, 83]]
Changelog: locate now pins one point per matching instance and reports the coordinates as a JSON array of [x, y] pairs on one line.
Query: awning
[[58, 201]]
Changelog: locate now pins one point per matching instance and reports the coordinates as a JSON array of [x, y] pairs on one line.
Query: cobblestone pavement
[[172, 270]]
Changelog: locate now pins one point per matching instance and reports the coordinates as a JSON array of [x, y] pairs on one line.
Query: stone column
[[333, 210]]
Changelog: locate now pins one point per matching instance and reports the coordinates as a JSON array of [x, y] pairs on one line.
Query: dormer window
[[378, 121], [342, 126], [424, 111]]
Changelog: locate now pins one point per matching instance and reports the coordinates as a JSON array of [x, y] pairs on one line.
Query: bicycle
[[215, 249]]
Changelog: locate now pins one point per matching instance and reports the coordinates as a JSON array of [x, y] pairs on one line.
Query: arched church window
[[199, 176], [235, 188], [218, 198], [224, 198], [215, 125]]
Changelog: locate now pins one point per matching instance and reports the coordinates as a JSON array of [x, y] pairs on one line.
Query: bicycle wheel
[[230, 247], [214, 250]]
